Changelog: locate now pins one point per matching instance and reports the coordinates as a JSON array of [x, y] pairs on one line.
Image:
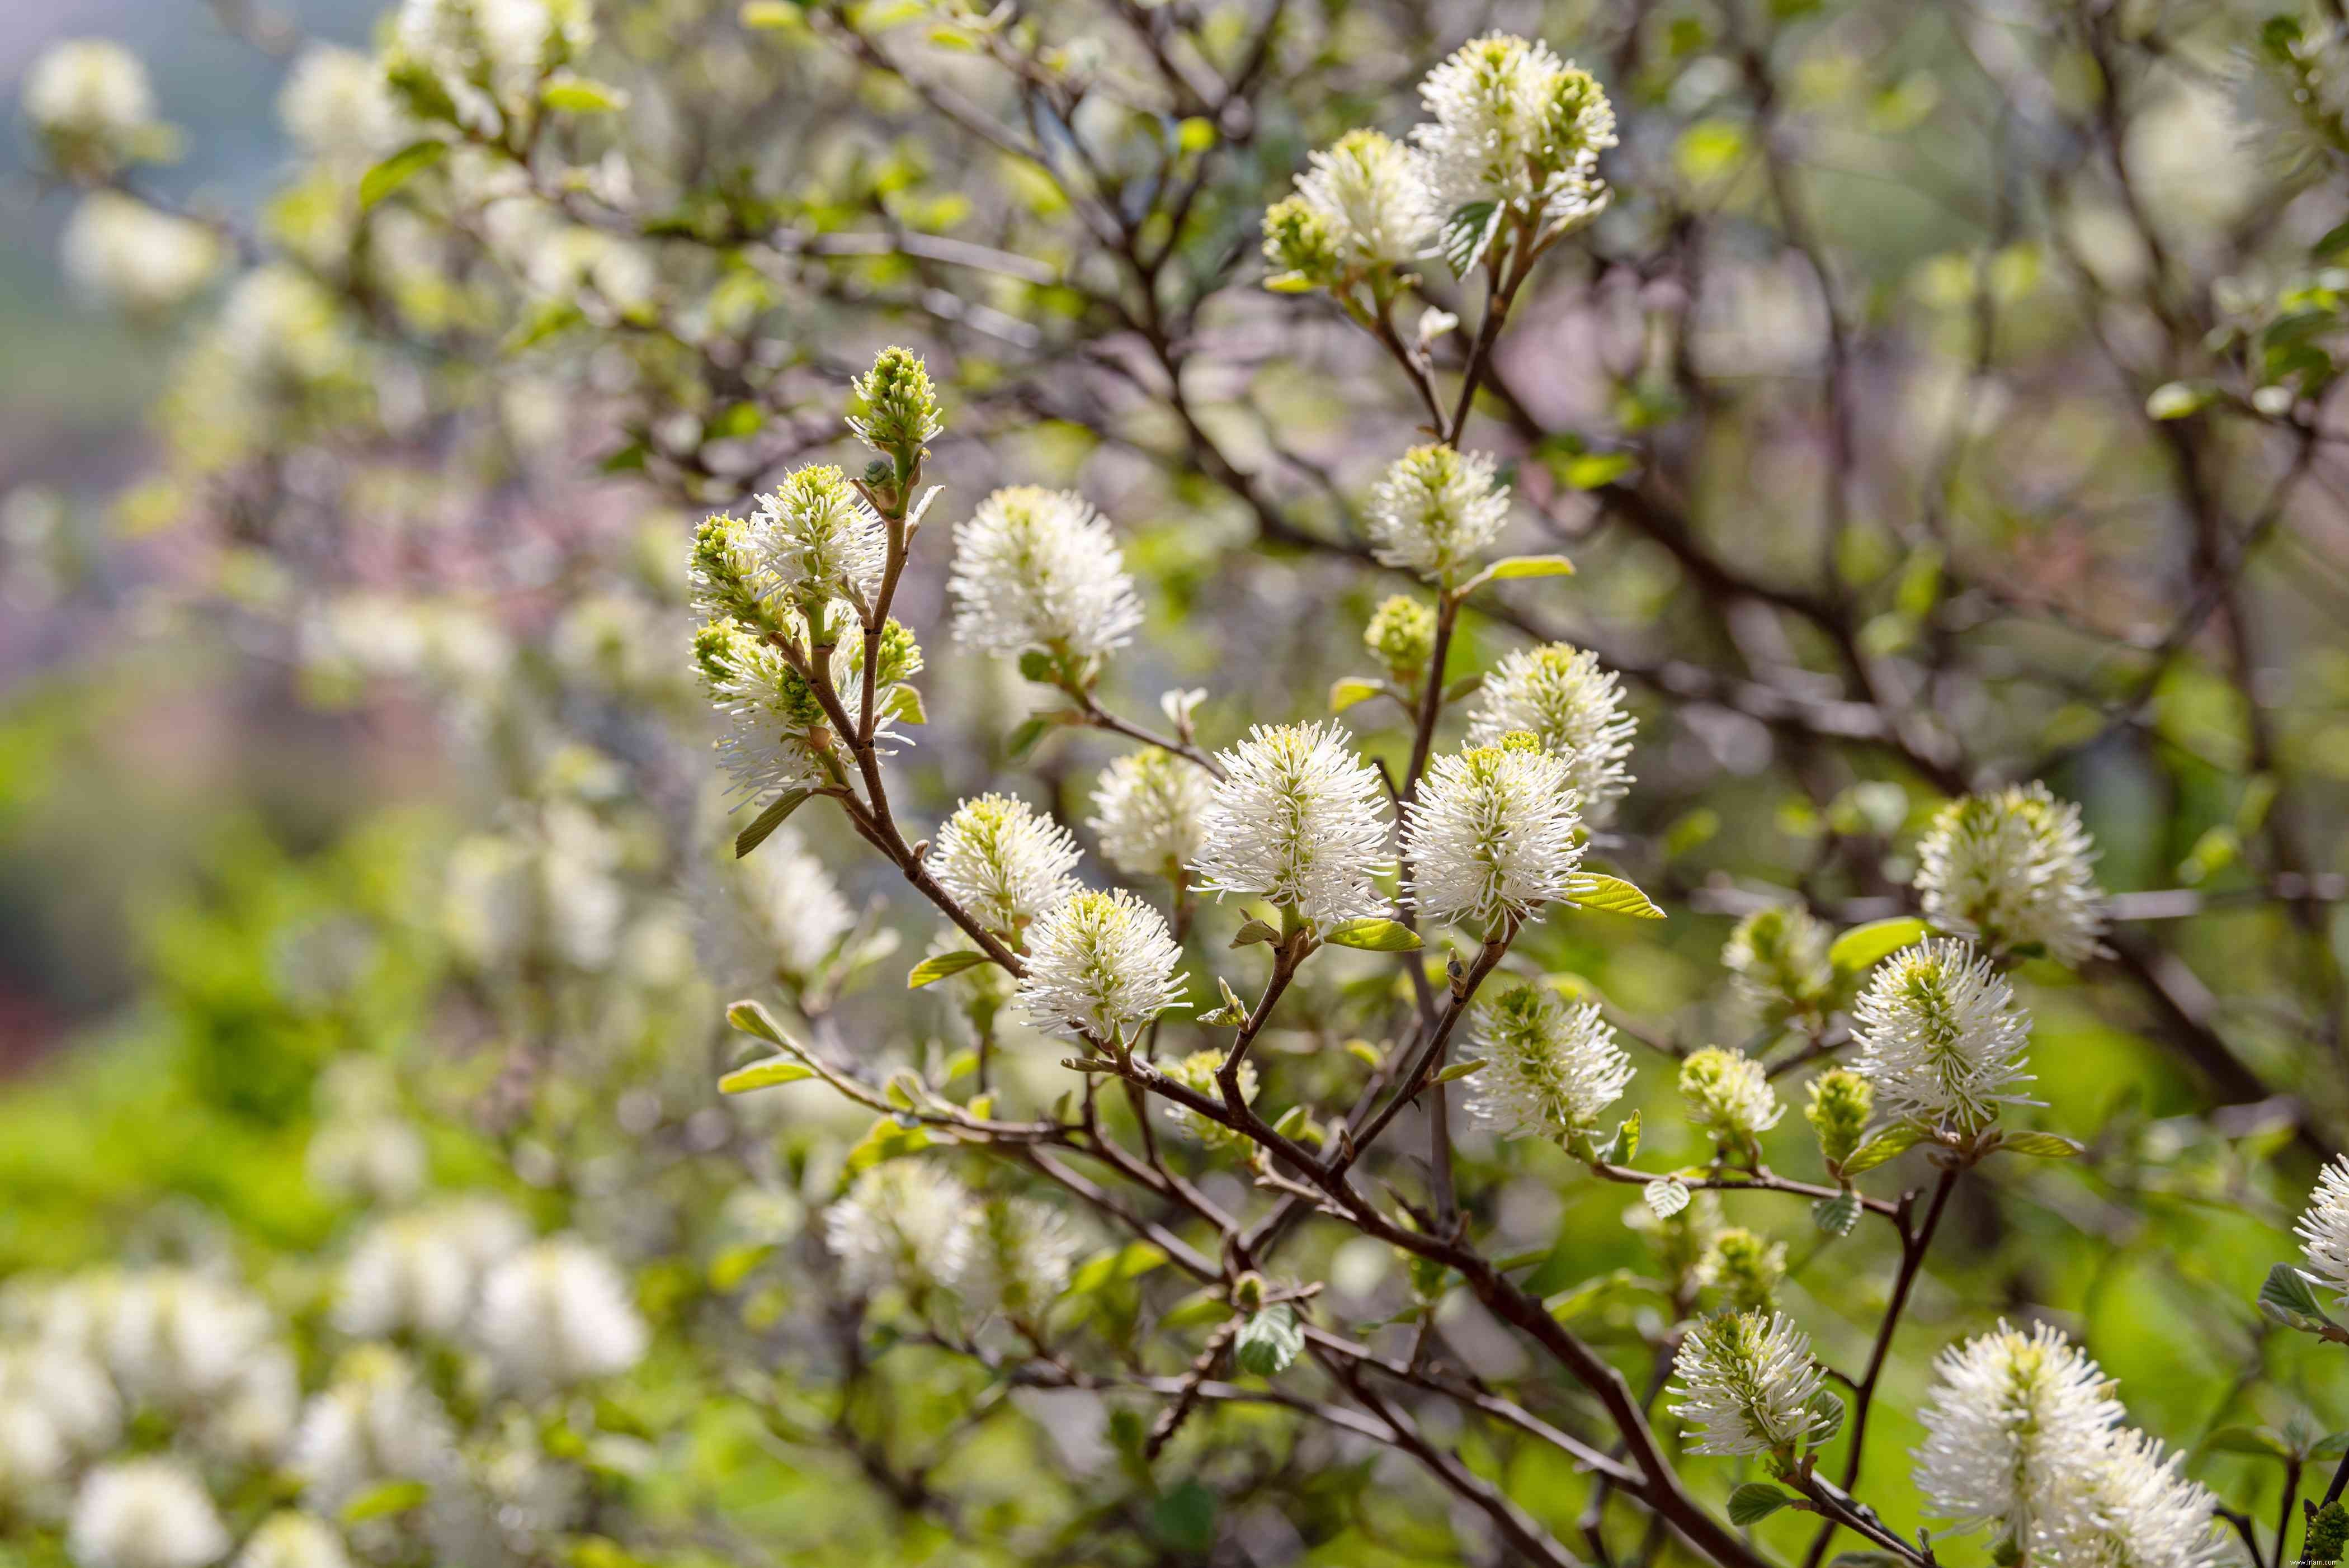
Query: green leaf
[[1611, 895], [886, 1139], [1253, 931], [1515, 566], [1826, 1417], [1884, 1146], [1103, 1269], [1665, 1197], [771, 14], [903, 703], [1372, 935], [1036, 664], [1269, 1342], [1024, 738], [1289, 283], [1460, 1070], [1860, 948], [764, 1075], [554, 317], [767, 822], [731, 1267], [570, 94], [736, 419], [1468, 233], [1592, 471], [2045, 1145], [1345, 691], [2331, 1446], [398, 170], [2256, 1440], [1195, 134], [1756, 1500], [1627, 1133], [385, 1500], [2286, 1298], [752, 1018], [1837, 1215], [1196, 1309], [2176, 399], [938, 965]]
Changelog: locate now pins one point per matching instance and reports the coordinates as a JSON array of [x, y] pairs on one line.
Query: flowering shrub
[[1210, 1170]]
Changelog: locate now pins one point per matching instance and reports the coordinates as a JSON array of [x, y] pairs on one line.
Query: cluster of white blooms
[[90, 100], [1369, 192], [282, 333], [1003, 862], [902, 1223], [289, 1539], [1038, 569], [489, 56], [1434, 510], [1551, 1068], [1300, 820], [2012, 870], [1562, 697], [1150, 812], [2023, 1437], [1100, 964], [1019, 1258], [421, 1272], [1746, 1382], [2324, 1229], [336, 104], [818, 539], [793, 903], [374, 1421], [57, 1409], [1516, 125], [558, 1314], [1941, 1037], [1777, 957], [1493, 832], [546, 893], [123, 253], [200, 1348], [145, 1514], [1728, 1093]]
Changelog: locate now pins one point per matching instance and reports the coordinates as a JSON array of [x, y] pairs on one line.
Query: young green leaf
[[398, 170], [763, 825], [938, 965], [1372, 935], [764, 1075], [1756, 1500], [1893, 1140], [1860, 948], [1269, 1342], [1613, 895]]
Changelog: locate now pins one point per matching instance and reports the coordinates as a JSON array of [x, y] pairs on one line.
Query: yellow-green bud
[[1296, 239], [1779, 956], [1746, 1269], [1401, 633], [1729, 1094], [901, 406], [2328, 1535], [1248, 1292], [1841, 1102]]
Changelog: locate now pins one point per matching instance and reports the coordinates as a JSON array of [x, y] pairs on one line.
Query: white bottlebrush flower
[[818, 538], [2136, 1510], [488, 55], [1745, 1383], [1551, 1069], [291, 1539], [1434, 509], [1369, 190], [1299, 819], [336, 104], [145, 1514], [1150, 811], [125, 254], [57, 1406], [1941, 1037], [91, 98], [2012, 870], [1040, 569], [793, 902], [1494, 831], [375, 1422], [1002, 861], [2015, 1425], [1100, 963], [1017, 1259], [420, 1273], [1729, 1094], [279, 330], [1564, 699], [1777, 957], [2323, 1229], [1515, 125], [558, 1314], [177, 1339], [902, 1223], [249, 1421], [374, 1158]]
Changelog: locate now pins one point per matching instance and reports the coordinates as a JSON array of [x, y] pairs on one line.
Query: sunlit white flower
[[488, 55], [1150, 811], [1100, 963], [556, 1313], [336, 104], [2136, 1511], [2015, 1425], [250, 1421], [1434, 509], [378, 1159], [120, 250], [1041, 569], [145, 1514], [1728, 1093], [1369, 190], [90, 96], [1514, 124], [1564, 699], [1745, 1383], [902, 1223], [290, 1539], [2323, 1229], [2012, 870], [1300, 820], [420, 1273], [375, 1422], [1494, 831], [1002, 861], [177, 1338], [281, 330], [793, 902], [818, 538], [57, 1406], [1777, 956], [1551, 1068], [1017, 1259], [1941, 1037]]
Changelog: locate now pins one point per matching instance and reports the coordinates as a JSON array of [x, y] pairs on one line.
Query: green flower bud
[[1841, 1103], [1401, 634], [2328, 1535], [901, 408], [1729, 1094], [1298, 239], [1779, 957], [1746, 1269], [730, 577], [1248, 1292]]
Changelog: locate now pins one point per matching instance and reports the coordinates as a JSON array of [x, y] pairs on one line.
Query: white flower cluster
[[545, 892], [2324, 1229], [904, 1223], [1746, 1382], [1150, 812], [336, 104], [793, 903], [1037, 569], [1003, 862], [818, 539], [1101, 965], [2023, 1438], [1940, 1037], [1299, 819], [1562, 697], [119, 249], [420, 1273], [145, 1514], [90, 100], [489, 56], [558, 1314], [1434, 510], [1551, 1069], [1494, 833], [2012, 871], [1373, 195]]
